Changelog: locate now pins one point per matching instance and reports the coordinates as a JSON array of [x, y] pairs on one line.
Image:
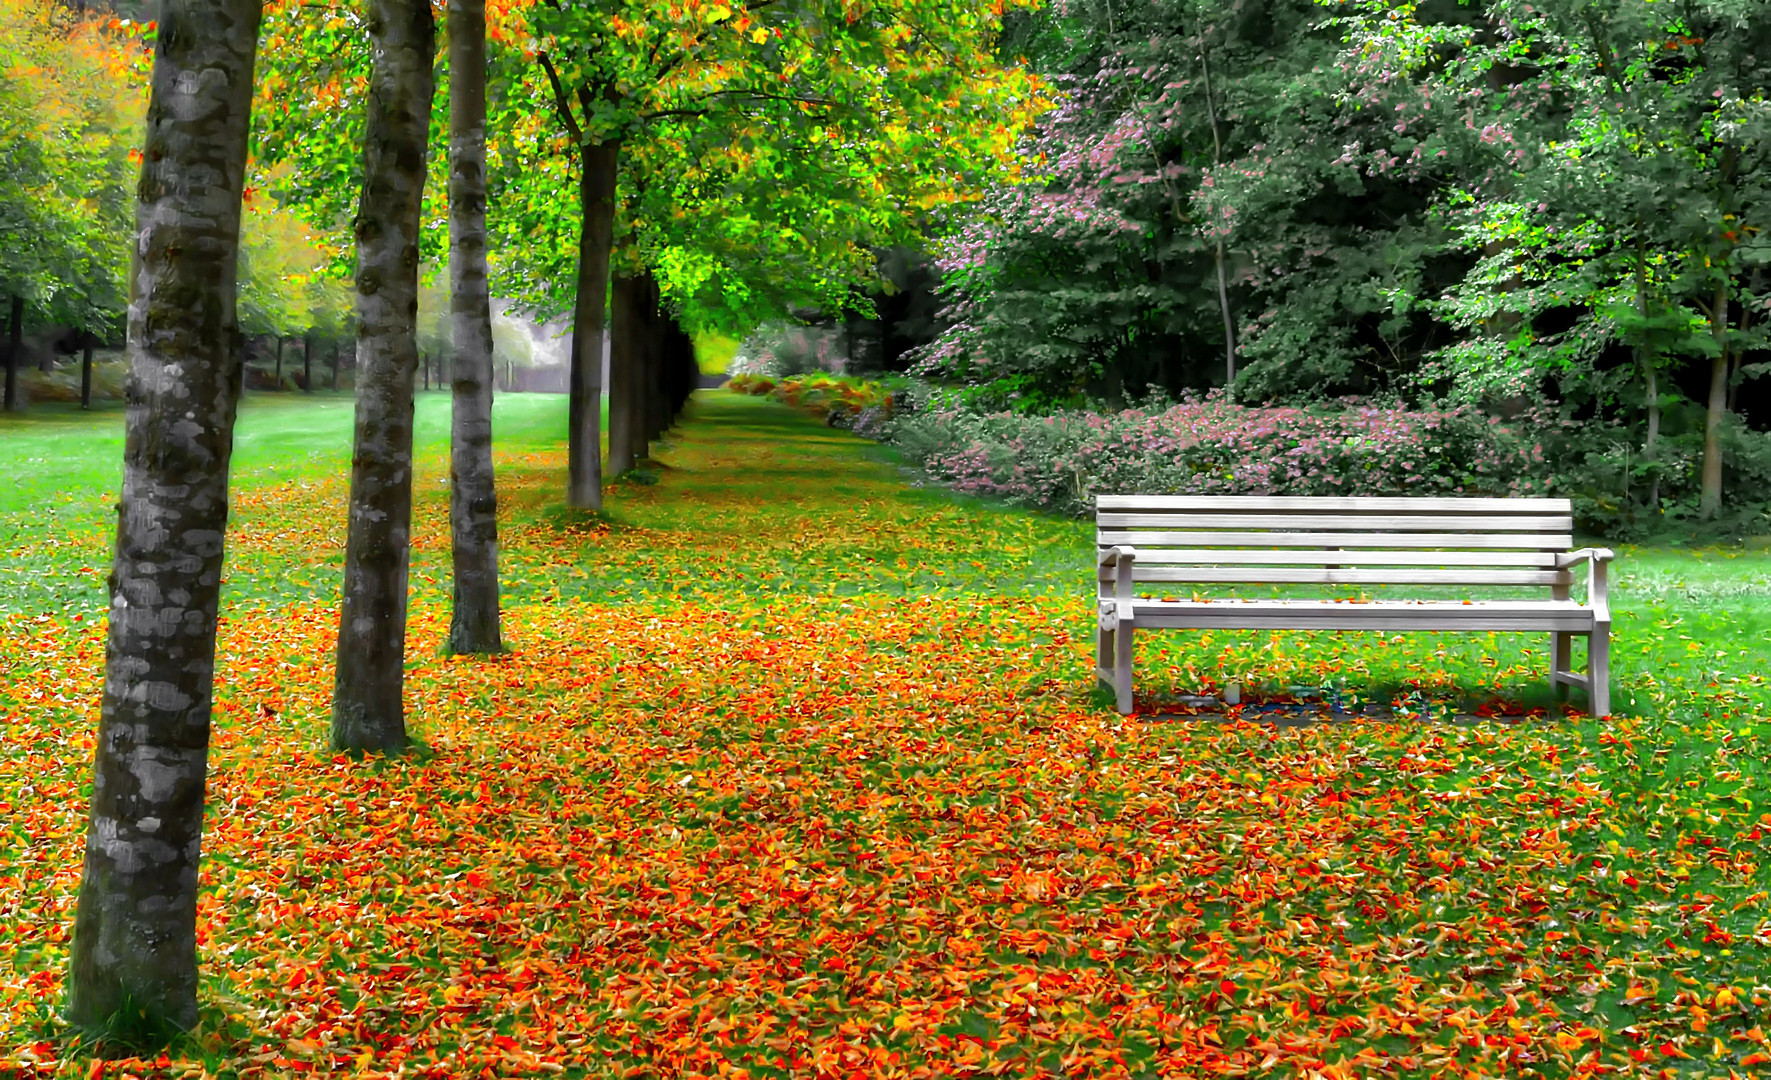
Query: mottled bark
[[473, 498], [627, 332], [596, 202], [134, 943], [86, 372], [367, 711], [15, 343]]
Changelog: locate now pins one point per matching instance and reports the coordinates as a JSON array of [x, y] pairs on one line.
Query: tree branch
[[560, 101]]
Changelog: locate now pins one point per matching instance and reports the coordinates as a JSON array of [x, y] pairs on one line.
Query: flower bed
[[837, 399], [1212, 447]]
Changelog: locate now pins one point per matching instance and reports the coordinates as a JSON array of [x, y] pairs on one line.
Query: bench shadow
[[1326, 709]]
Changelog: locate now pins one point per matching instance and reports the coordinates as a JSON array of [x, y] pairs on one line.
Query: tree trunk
[[626, 342], [1739, 359], [135, 928], [307, 363], [473, 497], [1645, 356], [86, 372], [367, 711], [1709, 501], [657, 361], [682, 374], [15, 343], [1217, 157], [278, 378], [596, 203], [336, 350]]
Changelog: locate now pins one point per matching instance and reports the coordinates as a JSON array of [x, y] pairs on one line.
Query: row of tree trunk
[[307, 362], [652, 369], [134, 959]]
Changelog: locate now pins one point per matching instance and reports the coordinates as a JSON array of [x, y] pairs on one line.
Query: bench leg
[[1561, 662], [1122, 668], [1103, 656], [1599, 670]]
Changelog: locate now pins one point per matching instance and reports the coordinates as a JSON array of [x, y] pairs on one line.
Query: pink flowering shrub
[[1213, 447]]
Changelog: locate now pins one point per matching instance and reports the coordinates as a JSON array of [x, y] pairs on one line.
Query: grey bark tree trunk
[[627, 331], [135, 928], [596, 202], [367, 711], [86, 372], [15, 343], [473, 496]]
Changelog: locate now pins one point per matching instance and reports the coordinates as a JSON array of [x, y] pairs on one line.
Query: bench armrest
[[1597, 584], [1580, 555], [1121, 556], [1121, 553]]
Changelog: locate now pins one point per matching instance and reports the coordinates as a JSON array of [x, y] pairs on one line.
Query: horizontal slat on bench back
[[1192, 539], [1544, 560], [1220, 503], [1324, 575], [1487, 523], [1141, 538]]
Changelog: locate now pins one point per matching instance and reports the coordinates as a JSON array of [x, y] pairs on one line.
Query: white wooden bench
[[1162, 543]]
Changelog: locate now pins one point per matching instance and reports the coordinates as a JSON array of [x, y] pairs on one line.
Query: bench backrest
[[1376, 541]]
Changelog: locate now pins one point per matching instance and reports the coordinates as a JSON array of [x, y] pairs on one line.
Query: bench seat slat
[[1301, 522], [1323, 575], [1330, 557], [1558, 542], [1221, 503], [1450, 615]]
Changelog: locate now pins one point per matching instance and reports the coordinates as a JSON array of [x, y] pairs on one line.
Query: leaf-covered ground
[[795, 771]]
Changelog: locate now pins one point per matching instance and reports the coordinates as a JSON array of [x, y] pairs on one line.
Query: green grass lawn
[[796, 767], [779, 506]]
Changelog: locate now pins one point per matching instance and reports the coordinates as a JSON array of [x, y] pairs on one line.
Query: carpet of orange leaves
[[887, 836]]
